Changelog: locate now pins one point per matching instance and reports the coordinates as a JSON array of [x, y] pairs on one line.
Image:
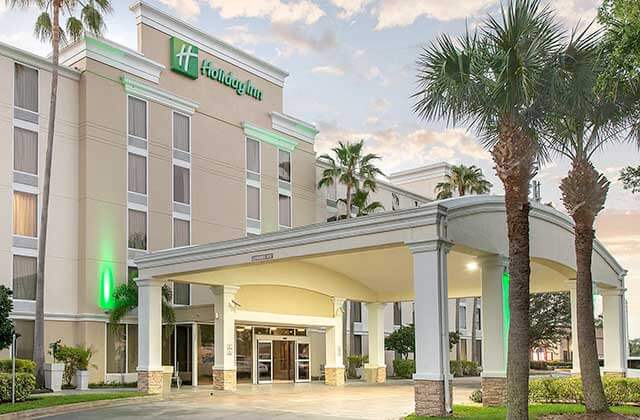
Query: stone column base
[[150, 382], [614, 374], [494, 391], [375, 375], [334, 376], [224, 379], [429, 397]]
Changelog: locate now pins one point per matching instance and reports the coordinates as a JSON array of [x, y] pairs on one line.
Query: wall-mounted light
[[472, 266]]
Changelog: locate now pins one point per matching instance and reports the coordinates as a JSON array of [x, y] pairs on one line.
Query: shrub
[[404, 368], [559, 364], [22, 366], [355, 361], [25, 384], [464, 367], [74, 358], [538, 365], [476, 396], [552, 390]]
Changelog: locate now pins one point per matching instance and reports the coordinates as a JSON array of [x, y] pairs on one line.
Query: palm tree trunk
[[514, 156], [584, 192], [38, 339], [474, 327], [348, 201]]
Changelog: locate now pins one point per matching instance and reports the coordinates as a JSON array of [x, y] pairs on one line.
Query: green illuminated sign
[[106, 287], [185, 58]]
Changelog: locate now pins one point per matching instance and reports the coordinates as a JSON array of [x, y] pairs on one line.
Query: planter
[[53, 376], [359, 372], [82, 380]]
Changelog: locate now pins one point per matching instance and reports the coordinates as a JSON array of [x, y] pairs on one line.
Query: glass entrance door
[[265, 362], [283, 361], [303, 369]]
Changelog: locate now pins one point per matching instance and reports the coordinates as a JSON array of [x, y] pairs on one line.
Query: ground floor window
[[24, 345], [24, 277], [122, 348], [357, 345]]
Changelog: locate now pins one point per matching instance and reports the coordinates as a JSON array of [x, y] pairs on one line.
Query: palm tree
[[463, 179], [48, 29], [352, 169], [126, 300], [494, 81], [360, 201], [580, 124]]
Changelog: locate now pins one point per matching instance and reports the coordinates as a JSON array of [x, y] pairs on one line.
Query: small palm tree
[[494, 81], [361, 202], [463, 179], [580, 124], [48, 29], [351, 168]]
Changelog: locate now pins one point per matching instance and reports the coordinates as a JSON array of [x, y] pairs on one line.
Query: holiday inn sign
[[185, 60]]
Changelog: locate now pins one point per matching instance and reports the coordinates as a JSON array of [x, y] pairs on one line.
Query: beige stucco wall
[[284, 300]]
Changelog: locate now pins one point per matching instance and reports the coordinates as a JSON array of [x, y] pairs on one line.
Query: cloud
[[576, 11], [275, 10], [394, 13], [186, 9], [331, 70], [349, 8], [374, 73], [26, 41], [402, 149], [372, 120], [380, 104]]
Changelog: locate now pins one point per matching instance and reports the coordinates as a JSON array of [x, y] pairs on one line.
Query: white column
[[571, 284], [149, 335], [334, 366], [614, 330], [432, 327], [494, 334], [194, 354], [224, 370], [376, 369]]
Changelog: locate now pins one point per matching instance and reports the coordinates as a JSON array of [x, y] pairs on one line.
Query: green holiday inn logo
[[185, 60]]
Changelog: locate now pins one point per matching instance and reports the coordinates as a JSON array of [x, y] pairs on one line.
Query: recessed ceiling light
[[472, 266]]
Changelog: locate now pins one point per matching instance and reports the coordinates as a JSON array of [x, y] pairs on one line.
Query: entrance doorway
[[283, 361]]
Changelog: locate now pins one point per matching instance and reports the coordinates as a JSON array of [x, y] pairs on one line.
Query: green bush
[[476, 396], [538, 365], [22, 366], [74, 358], [559, 364], [464, 367], [355, 361], [25, 384], [552, 390], [404, 368]]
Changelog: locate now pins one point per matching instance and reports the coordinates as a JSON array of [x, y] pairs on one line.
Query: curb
[[70, 408]]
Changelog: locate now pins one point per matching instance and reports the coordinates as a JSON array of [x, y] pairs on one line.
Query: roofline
[[416, 173], [150, 15], [35, 60]]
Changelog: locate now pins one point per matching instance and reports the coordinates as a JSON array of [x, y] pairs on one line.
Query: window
[[137, 117], [332, 192], [181, 233], [284, 210], [253, 156], [357, 345], [397, 313], [463, 317], [132, 348], [25, 151], [253, 202], [25, 214], [116, 348], [26, 88], [356, 311], [24, 277], [478, 319], [181, 293], [181, 132], [395, 201], [137, 229], [181, 193], [24, 345], [284, 166], [137, 173]]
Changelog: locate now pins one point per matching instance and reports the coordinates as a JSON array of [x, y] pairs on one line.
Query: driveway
[[314, 401]]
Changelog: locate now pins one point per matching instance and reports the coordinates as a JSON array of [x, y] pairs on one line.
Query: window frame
[[281, 226], [136, 152], [179, 164], [31, 128], [13, 85], [463, 319], [183, 218], [26, 190], [146, 109], [173, 140], [290, 181], [24, 254], [126, 349], [173, 295], [246, 157], [138, 208]]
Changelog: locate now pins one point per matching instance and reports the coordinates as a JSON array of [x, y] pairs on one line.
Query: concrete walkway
[[316, 401]]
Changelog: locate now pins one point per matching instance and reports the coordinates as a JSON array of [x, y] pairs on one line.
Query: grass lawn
[[50, 401], [535, 411]]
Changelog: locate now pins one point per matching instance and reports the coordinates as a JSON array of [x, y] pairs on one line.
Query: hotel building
[[176, 164]]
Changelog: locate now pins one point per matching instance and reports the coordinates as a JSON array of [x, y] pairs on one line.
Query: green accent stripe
[[506, 312], [268, 136]]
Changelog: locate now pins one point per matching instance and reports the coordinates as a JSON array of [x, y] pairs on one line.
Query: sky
[[352, 73]]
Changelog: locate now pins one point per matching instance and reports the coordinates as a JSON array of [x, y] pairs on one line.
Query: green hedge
[[404, 368], [553, 390], [25, 384], [22, 366], [466, 367]]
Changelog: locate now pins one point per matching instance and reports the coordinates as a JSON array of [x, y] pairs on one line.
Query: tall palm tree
[[580, 124], [48, 29], [463, 179], [351, 168], [494, 81]]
